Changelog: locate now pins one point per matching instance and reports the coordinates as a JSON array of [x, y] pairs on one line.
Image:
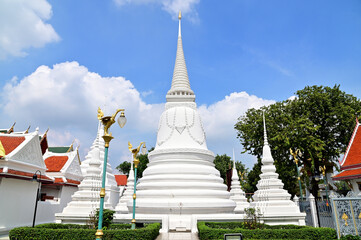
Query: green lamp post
[[294, 154], [107, 122], [135, 152]]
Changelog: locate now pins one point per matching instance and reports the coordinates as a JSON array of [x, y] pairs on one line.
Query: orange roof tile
[[55, 163], [348, 174], [11, 142], [121, 180], [68, 181], [352, 157]]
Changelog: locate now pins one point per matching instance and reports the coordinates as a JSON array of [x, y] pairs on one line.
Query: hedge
[[76, 232], [269, 232]]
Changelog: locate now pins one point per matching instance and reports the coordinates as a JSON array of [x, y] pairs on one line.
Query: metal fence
[[324, 214], [305, 207], [347, 214]]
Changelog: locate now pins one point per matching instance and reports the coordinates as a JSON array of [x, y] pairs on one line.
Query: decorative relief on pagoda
[[180, 121]]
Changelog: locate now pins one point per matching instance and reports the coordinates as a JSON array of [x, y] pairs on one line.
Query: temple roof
[[11, 142], [55, 163], [351, 162], [121, 180], [60, 149]]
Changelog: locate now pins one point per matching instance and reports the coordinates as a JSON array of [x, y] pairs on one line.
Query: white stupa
[[237, 194], [180, 184], [122, 206], [86, 200], [271, 199]]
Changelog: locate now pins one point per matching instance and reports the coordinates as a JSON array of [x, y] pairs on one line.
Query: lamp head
[[122, 120], [144, 149], [35, 177]]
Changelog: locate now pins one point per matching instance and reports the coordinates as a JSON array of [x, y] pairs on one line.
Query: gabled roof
[[121, 180], [11, 142], [348, 174], [352, 157], [55, 163]]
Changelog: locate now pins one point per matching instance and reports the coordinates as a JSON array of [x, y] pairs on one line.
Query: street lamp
[[294, 154], [35, 178], [107, 122], [135, 152], [323, 170]]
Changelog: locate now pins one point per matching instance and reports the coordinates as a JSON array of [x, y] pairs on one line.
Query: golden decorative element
[[180, 15], [242, 175], [102, 192], [295, 154], [2, 150], [298, 178], [107, 139], [323, 170], [108, 121], [133, 221], [99, 233], [135, 152], [71, 146], [27, 130], [359, 216], [100, 114], [11, 129], [134, 196], [345, 218]]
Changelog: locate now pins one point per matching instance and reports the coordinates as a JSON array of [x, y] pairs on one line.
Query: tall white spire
[[180, 90], [265, 130]]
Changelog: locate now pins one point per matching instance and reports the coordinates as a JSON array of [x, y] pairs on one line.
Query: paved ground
[[4, 237], [178, 236]]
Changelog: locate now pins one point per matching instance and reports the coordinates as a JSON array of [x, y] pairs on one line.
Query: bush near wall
[[54, 231], [207, 232]]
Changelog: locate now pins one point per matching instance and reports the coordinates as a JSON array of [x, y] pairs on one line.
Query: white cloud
[[65, 98], [171, 6], [22, 25]]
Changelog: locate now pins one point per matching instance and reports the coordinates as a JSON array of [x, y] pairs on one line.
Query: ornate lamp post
[[294, 154], [35, 178], [135, 152], [323, 170], [107, 122]]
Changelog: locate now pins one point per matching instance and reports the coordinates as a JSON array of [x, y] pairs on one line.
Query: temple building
[[351, 162], [180, 184], [22, 155]]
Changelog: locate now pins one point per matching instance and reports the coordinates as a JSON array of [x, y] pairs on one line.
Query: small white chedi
[[86, 200], [237, 194], [271, 199], [180, 184]]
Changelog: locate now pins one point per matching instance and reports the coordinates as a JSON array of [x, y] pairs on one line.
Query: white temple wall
[[47, 209], [17, 203]]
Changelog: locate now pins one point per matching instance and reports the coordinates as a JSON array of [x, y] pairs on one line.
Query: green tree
[[124, 167], [319, 122], [223, 162]]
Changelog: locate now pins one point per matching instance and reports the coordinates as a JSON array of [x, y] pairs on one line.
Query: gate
[[324, 214], [347, 214]]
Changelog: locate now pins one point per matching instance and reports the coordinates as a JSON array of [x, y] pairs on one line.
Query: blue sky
[[59, 60]]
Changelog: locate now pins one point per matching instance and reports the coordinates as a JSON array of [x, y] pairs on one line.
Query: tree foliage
[[319, 122], [125, 166]]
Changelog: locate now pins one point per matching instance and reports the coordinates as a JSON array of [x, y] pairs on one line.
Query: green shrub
[[350, 237], [75, 232], [107, 217], [269, 232]]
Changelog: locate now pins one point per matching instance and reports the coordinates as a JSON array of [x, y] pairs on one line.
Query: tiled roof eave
[[346, 177]]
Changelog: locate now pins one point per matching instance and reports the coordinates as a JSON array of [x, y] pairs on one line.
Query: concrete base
[[284, 220], [72, 219]]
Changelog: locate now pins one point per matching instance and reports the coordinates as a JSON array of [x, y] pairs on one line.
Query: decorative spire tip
[[180, 15]]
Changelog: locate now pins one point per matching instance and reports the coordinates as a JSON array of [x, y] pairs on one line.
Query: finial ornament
[[265, 130], [180, 15]]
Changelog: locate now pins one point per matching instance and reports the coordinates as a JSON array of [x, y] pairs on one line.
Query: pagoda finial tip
[[180, 15]]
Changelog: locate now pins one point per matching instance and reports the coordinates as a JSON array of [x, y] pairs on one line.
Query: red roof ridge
[[21, 174], [353, 152]]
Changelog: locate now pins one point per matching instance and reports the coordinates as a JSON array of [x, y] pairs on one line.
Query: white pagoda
[[237, 194], [86, 200], [180, 184], [271, 199]]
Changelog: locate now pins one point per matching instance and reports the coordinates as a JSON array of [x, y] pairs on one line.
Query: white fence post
[[312, 201]]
